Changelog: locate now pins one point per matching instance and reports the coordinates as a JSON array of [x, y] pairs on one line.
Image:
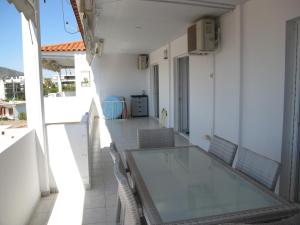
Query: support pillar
[[59, 82], [34, 94]]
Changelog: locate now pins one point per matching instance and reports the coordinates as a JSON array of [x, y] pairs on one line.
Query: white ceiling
[[141, 26]]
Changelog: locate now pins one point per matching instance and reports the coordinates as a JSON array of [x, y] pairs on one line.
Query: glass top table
[[186, 184]]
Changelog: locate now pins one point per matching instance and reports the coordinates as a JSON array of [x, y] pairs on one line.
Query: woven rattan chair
[[130, 214], [117, 160], [114, 152], [223, 149], [156, 138], [262, 169]]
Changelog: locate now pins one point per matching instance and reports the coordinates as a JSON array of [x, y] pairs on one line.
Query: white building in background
[[68, 62], [2, 92], [12, 87], [11, 110]]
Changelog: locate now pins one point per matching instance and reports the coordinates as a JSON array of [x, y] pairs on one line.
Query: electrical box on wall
[[203, 36], [142, 62]]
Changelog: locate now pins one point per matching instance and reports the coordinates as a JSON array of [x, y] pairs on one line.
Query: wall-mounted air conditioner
[[142, 62], [203, 36], [98, 47]]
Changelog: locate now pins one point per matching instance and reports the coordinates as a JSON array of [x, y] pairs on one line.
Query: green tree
[[22, 116], [49, 86]]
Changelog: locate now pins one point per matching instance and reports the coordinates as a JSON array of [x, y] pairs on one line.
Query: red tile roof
[[74, 46]]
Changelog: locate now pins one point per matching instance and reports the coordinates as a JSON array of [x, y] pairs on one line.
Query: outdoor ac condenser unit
[[98, 48], [142, 62], [202, 36]]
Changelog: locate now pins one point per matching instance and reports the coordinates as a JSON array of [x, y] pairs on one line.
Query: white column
[[59, 82], [34, 94]]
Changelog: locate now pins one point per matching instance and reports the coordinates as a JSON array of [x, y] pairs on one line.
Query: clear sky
[[52, 29]]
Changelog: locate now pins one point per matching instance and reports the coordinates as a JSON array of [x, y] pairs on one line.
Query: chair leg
[[143, 221], [118, 216]]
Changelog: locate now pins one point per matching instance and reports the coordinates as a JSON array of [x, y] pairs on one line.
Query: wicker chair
[[294, 220], [129, 209], [117, 160], [223, 149], [114, 152], [156, 138], [115, 155], [262, 169]]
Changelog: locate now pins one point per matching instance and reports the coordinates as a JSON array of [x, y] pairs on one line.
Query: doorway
[[183, 95], [290, 157], [156, 90], [297, 73]]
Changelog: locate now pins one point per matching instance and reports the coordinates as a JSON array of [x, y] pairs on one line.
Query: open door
[[183, 95], [156, 91]]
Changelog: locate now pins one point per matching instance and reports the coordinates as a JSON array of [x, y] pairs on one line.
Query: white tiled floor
[[100, 201]]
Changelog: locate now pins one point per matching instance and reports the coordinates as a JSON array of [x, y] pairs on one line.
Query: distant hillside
[[7, 73]]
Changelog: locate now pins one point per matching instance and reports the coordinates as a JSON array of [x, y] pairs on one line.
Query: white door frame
[[152, 94], [290, 156], [176, 90]]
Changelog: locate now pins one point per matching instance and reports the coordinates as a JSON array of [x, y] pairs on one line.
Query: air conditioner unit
[[203, 36], [87, 6], [142, 62], [98, 48]]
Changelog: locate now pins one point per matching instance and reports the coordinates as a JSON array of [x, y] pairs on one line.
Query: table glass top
[[186, 183]]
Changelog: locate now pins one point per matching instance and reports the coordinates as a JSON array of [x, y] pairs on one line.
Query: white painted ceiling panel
[[141, 26]]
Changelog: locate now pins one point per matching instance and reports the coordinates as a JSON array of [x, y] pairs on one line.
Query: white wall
[[227, 79], [68, 153], [201, 92], [117, 74], [81, 65], [264, 24], [157, 58], [201, 99], [66, 109], [248, 69], [20, 188]]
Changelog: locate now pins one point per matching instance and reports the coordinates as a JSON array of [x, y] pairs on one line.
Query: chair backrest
[[129, 209], [156, 138], [117, 158], [114, 152], [223, 149], [260, 168]]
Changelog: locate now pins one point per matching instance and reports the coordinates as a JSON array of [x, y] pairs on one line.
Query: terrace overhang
[[60, 56], [57, 62]]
